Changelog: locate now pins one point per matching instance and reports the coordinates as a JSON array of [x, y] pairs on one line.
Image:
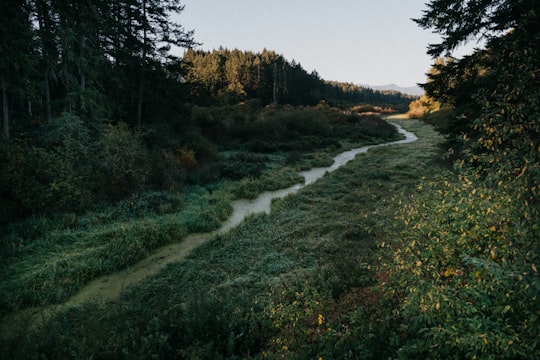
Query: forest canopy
[[230, 76]]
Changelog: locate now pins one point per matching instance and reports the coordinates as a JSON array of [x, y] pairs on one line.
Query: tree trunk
[[143, 65], [29, 107], [140, 98], [5, 108], [47, 95], [82, 73], [44, 29], [275, 89]]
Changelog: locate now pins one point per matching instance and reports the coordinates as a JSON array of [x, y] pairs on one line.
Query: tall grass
[[47, 261], [298, 283]]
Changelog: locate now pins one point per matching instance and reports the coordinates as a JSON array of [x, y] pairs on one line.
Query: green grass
[[297, 283], [47, 260], [49, 264]]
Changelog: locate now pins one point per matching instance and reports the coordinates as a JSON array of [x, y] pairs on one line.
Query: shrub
[[374, 126], [122, 160], [186, 157], [54, 173], [466, 267], [247, 189], [199, 144], [165, 171], [243, 165]]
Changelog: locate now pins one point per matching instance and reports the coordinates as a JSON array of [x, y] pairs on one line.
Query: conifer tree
[[16, 56]]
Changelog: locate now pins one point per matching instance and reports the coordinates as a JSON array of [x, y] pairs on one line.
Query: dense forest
[[91, 92], [112, 149], [233, 75]]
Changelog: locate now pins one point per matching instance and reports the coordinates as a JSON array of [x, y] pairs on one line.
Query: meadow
[[300, 282]]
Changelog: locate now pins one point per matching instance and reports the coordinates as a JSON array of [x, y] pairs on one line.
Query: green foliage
[[122, 158], [51, 175], [493, 92], [466, 267], [47, 261], [372, 126], [506, 145], [458, 21], [22, 191], [71, 166], [243, 165], [463, 272]]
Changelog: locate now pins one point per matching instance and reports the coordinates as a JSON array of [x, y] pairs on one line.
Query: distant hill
[[412, 90]]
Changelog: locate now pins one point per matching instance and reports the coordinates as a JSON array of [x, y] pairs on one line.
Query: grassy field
[[298, 283], [45, 260]]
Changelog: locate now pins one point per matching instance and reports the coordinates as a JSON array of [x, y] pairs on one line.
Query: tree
[[47, 48], [156, 34], [16, 55], [459, 21], [467, 267], [75, 64], [494, 91]]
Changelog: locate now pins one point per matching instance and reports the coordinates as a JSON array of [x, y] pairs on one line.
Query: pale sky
[[371, 42]]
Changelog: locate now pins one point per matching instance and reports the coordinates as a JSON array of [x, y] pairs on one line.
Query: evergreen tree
[[16, 57], [460, 21], [494, 91]]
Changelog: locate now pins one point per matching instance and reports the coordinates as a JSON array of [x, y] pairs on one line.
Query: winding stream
[[242, 208], [109, 288]]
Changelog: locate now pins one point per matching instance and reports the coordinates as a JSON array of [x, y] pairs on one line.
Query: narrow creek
[[109, 288], [243, 207]]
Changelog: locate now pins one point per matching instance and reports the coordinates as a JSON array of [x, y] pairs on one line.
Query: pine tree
[[16, 56]]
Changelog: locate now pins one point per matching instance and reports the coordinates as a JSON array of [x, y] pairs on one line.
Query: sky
[[367, 42]]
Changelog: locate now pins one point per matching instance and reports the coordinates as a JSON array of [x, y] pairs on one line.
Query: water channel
[[243, 207], [110, 287]]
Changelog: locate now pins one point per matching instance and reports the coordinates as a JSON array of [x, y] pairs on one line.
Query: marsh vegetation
[[114, 152], [247, 291]]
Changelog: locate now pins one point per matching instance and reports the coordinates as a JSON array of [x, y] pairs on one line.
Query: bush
[[123, 160], [243, 165], [54, 173], [376, 127], [466, 267], [165, 170]]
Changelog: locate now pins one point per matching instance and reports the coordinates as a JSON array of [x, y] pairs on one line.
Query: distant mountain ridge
[[411, 90]]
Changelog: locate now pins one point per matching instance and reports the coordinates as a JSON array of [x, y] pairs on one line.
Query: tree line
[[111, 60], [230, 76]]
